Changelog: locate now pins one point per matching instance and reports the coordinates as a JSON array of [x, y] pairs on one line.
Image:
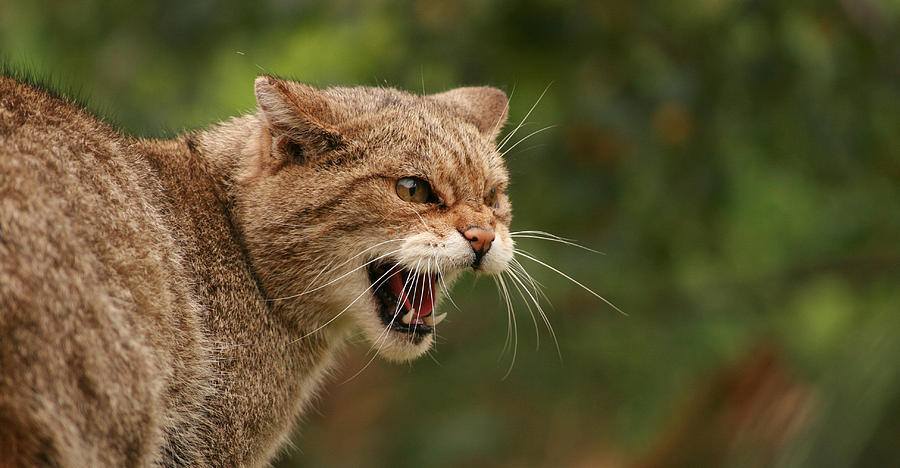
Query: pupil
[[412, 188]]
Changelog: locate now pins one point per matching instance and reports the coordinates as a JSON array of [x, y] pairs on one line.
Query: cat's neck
[[250, 336]]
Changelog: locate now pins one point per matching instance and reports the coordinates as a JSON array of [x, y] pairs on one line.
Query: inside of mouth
[[407, 291]]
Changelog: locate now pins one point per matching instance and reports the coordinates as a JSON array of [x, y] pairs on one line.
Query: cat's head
[[361, 206]]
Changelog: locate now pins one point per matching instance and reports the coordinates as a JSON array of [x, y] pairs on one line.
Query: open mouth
[[405, 300]]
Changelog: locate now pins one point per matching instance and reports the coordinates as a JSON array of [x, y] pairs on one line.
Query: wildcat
[[177, 302]]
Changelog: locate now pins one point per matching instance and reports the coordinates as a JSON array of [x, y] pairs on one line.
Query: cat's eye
[[491, 199], [416, 190]]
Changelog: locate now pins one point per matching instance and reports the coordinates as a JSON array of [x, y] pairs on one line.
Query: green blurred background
[[737, 161]]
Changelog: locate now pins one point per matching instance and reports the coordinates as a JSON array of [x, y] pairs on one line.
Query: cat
[[177, 302]]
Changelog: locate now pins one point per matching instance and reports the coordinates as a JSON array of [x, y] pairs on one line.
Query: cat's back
[[95, 323]]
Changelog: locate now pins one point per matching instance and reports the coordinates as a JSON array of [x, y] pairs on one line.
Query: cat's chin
[[398, 348]]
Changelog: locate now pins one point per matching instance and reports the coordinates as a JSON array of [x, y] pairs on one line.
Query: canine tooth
[[431, 320], [407, 319]]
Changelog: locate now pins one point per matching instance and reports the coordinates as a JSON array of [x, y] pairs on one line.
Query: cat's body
[[177, 302]]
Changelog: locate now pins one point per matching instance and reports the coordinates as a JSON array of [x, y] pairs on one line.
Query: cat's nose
[[480, 239]]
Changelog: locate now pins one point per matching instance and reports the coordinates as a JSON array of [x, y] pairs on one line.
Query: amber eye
[[414, 189], [491, 199]]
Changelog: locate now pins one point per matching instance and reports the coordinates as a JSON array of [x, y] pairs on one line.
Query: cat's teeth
[[431, 320], [407, 319]]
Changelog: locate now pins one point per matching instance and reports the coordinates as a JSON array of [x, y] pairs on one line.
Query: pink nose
[[480, 238]]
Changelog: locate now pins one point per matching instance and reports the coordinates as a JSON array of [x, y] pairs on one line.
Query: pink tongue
[[422, 296]]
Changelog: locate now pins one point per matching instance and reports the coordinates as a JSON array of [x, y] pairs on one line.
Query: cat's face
[[361, 206]]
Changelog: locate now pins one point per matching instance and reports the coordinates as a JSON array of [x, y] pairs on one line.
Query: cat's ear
[[483, 106], [299, 119]]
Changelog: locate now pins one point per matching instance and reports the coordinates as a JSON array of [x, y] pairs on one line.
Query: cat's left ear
[[299, 118], [483, 106]]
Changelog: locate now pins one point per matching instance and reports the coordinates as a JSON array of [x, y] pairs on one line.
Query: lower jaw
[[415, 332], [399, 347], [391, 316]]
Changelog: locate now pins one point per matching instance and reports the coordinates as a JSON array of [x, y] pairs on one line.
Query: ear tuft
[[299, 117], [483, 106], [288, 103]]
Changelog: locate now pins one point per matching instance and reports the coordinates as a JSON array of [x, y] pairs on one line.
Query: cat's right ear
[[483, 106], [298, 118]]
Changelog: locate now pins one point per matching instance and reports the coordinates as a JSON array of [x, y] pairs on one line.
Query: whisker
[[508, 137], [323, 270], [373, 350], [335, 280], [520, 252], [515, 327], [384, 334], [543, 233], [440, 280], [374, 284], [497, 123], [536, 286], [504, 295], [433, 312], [540, 310], [418, 215], [403, 294], [516, 283], [376, 345], [446, 290], [419, 308], [507, 150], [554, 239]]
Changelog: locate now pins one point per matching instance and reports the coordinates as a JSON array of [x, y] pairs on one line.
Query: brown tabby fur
[[146, 309]]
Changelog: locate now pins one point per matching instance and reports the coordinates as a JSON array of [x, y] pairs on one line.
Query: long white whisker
[[552, 239], [497, 123], [520, 252], [515, 327], [368, 249], [540, 310], [401, 299], [544, 233], [439, 279], [419, 307], [374, 350], [516, 283], [508, 137], [500, 296], [374, 284], [504, 295], [446, 290], [507, 150], [323, 270], [376, 345], [536, 286], [418, 215], [335, 280], [431, 285]]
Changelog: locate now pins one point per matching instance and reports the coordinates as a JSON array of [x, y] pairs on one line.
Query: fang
[[407, 319], [431, 320]]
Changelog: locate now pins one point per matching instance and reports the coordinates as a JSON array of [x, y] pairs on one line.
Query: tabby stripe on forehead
[[329, 204], [463, 166]]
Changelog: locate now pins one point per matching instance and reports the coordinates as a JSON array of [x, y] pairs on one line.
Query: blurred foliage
[[738, 162]]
